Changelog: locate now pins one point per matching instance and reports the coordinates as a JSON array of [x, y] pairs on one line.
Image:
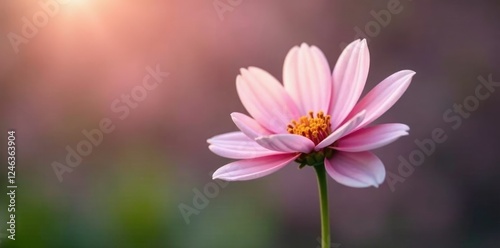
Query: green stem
[[323, 198]]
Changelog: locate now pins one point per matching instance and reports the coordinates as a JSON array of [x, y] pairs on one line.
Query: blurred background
[[66, 66]]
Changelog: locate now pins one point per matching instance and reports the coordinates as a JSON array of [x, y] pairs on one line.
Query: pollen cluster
[[315, 128]]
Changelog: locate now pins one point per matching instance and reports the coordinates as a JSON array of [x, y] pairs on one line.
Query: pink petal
[[253, 168], [236, 145], [286, 143], [306, 76], [266, 99], [371, 137], [349, 78], [229, 139], [341, 131], [249, 126], [383, 96], [359, 170]]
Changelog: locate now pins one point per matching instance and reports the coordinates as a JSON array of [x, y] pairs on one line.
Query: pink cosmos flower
[[314, 118]]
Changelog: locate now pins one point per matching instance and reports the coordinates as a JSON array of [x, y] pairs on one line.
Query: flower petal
[[359, 170], [249, 126], [286, 143], [383, 96], [253, 168], [349, 78], [265, 99], [371, 137], [236, 145], [306, 77], [341, 131], [229, 139]]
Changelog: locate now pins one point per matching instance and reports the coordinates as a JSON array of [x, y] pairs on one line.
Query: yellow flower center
[[315, 128]]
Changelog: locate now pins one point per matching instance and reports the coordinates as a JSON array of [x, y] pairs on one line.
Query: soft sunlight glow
[[77, 2], [77, 5]]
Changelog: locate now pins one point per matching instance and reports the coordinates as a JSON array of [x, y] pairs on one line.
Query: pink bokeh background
[[127, 192]]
